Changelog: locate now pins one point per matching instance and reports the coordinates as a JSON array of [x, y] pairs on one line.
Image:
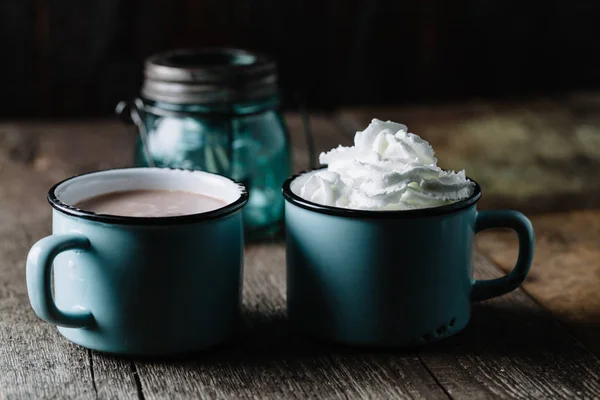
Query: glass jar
[[217, 111]]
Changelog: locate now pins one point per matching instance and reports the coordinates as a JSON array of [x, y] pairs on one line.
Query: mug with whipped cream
[[380, 243]]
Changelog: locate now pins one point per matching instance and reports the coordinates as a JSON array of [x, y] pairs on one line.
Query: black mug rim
[[73, 211], [293, 198]]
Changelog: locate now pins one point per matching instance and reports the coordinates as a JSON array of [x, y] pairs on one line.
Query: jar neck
[[225, 109]]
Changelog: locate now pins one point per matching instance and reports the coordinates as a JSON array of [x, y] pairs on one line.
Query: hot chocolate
[[150, 203]]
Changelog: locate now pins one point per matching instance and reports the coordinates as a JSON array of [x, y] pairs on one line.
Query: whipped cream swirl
[[386, 169]]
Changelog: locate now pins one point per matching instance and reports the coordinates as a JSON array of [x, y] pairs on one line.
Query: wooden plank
[[52, 155], [270, 361], [327, 134], [51, 152], [62, 149], [566, 270], [35, 361], [298, 142], [114, 377], [517, 151], [324, 135], [513, 349]]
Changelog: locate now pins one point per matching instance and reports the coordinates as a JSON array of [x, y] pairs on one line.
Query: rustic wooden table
[[541, 341]]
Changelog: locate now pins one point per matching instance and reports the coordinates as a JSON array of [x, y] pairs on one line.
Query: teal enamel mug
[[148, 286], [390, 278]]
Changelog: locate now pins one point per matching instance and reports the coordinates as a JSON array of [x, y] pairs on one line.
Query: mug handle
[[485, 289], [39, 280]]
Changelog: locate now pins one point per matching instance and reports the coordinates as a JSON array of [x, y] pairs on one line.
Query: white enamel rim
[[64, 194]]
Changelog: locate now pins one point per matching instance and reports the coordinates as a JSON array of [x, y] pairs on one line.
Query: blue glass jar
[[217, 111]]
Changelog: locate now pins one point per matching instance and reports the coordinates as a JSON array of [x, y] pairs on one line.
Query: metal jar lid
[[209, 76]]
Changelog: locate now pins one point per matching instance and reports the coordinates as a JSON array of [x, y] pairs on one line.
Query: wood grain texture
[[565, 277], [269, 361], [35, 361], [512, 349], [511, 334], [298, 142], [320, 134], [328, 134], [517, 151]]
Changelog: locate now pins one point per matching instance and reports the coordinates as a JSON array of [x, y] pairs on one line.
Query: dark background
[[75, 58]]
